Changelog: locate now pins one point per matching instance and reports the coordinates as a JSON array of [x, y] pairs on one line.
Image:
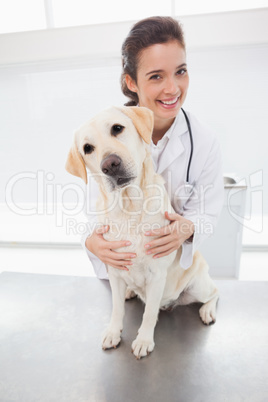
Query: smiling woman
[[155, 77]]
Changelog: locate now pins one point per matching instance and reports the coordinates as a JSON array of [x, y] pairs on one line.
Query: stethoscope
[[192, 145]]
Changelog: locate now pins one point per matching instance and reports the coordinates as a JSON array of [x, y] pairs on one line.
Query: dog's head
[[111, 146]]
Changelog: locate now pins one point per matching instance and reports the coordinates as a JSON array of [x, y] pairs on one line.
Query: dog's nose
[[111, 165]]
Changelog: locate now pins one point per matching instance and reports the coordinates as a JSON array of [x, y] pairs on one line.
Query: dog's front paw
[[110, 339], [142, 347], [208, 314]]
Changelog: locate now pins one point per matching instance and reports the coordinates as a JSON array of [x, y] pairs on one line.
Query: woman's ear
[[131, 84]]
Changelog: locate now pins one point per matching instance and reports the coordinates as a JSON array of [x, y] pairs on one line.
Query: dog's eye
[[117, 129], [88, 148]]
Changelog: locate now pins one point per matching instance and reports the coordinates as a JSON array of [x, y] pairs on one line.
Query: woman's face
[[162, 81]]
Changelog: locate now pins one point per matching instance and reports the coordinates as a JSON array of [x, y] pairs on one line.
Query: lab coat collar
[[174, 147]]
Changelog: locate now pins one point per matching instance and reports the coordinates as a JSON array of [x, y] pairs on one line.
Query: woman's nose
[[171, 86]]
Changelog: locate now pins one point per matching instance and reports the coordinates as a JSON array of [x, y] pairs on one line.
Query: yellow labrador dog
[[133, 199]]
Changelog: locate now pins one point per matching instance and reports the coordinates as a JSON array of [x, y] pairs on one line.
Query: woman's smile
[[169, 103]]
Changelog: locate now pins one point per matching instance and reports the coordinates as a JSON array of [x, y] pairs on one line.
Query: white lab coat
[[200, 200]]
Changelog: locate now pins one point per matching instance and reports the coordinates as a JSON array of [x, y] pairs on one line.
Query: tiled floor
[[73, 261]]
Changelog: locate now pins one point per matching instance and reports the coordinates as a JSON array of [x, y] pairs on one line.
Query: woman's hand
[[104, 249], [170, 237]]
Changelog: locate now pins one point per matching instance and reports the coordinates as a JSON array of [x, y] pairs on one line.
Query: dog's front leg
[[144, 343], [112, 335]]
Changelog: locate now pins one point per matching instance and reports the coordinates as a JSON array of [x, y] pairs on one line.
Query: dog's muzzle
[[113, 167]]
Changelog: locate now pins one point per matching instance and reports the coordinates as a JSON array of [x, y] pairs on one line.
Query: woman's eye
[[88, 149], [155, 77], [182, 71]]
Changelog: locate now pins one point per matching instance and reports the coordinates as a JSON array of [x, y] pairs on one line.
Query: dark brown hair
[[143, 34]]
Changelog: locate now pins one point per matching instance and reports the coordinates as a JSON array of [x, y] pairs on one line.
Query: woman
[[155, 76]]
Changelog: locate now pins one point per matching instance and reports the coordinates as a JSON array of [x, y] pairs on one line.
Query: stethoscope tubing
[[192, 144]]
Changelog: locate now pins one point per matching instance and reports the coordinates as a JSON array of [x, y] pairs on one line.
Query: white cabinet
[[223, 249]]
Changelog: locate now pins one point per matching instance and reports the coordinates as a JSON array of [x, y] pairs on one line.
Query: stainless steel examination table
[[50, 346]]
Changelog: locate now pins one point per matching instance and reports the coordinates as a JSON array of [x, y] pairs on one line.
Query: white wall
[[52, 81], [105, 40]]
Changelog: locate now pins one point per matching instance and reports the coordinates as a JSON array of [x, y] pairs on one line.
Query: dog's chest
[[144, 266], [133, 230], [136, 238]]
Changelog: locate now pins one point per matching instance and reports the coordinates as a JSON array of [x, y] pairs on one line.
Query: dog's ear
[[75, 164], [143, 120]]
